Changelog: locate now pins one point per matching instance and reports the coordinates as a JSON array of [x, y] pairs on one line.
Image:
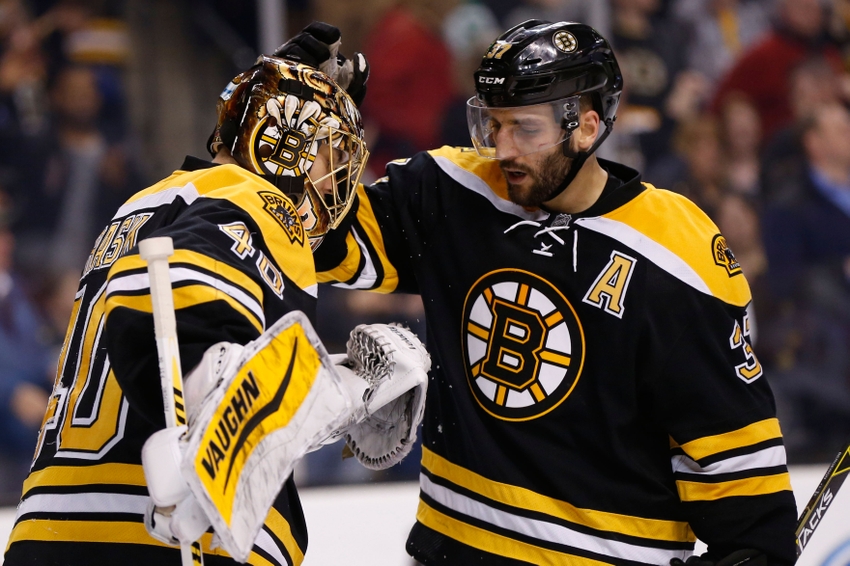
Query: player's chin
[[521, 194]]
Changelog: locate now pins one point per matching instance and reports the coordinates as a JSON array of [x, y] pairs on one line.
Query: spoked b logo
[[523, 345]]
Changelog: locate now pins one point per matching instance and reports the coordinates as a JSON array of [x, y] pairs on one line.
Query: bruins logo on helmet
[[724, 257], [523, 345], [565, 41], [282, 210]]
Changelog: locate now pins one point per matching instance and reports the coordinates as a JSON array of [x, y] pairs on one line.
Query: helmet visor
[[513, 131]]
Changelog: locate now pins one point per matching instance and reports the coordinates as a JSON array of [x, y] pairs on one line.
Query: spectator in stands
[[468, 30], [694, 166], [23, 76], [659, 89], [25, 369], [740, 139], [410, 84], [762, 73], [83, 177], [812, 83], [806, 229], [81, 32], [722, 30], [592, 12]]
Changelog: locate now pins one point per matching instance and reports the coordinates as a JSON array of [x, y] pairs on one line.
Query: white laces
[[561, 223]]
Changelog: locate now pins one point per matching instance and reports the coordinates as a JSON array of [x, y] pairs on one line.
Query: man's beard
[[546, 179]]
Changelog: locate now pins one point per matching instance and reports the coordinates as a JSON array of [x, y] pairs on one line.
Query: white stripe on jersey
[[188, 193], [266, 542], [368, 275], [543, 530], [474, 183], [141, 281], [83, 503], [650, 249], [767, 458]]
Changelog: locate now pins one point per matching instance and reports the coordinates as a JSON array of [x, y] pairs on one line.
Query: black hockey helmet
[[540, 61]]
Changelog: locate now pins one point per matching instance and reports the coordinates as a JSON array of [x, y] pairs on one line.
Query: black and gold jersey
[[241, 262], [594, 397]]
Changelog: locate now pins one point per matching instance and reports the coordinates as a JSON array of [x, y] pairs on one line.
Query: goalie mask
[[295, 127]]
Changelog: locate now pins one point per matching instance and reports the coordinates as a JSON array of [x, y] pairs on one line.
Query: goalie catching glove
[[396, 358], [254, 411]]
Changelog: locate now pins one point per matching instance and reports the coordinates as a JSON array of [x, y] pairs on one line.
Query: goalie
[[260, 390]]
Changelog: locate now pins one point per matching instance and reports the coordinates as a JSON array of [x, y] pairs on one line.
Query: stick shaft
[[156, 251], [822, 498]]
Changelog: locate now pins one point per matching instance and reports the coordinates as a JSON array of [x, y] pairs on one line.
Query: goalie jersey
[[241, 262], [595, 396]]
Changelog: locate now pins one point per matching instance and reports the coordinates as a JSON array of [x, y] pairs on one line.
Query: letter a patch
[[608, 292]]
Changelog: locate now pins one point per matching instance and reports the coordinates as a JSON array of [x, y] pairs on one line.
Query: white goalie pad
[[280, 399]]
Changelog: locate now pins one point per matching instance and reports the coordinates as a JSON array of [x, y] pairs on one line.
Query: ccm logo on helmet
[[492, 80]]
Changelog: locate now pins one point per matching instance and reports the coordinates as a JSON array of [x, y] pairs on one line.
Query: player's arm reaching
[[357, 253]]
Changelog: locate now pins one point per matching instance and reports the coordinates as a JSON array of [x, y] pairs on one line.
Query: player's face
[[326, 159], [532, 179], [530, 155], [523, 130]]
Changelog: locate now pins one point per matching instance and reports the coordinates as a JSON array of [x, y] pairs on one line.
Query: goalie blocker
[[255, 411]]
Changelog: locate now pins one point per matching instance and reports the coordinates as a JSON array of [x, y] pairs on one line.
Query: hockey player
[[596, 397], [260, 389]]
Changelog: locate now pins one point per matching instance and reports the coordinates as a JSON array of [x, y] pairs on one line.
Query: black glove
[[311, 46], [318, 46], [746, 557]]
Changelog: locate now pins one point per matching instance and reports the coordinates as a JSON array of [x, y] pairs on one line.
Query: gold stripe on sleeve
[[184, 297], [761, 485], [347, 268], [366, 217], [193, 295], [761, 431], [122, 474], [690, 238], [242, 188], [226, 272]]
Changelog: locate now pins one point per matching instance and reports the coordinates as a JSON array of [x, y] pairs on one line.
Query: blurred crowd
[[741, 105]]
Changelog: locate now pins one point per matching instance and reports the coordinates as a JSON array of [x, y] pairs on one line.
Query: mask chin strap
[[578, 157]]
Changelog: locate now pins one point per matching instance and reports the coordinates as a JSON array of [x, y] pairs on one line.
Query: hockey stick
[[156, 251], [822, 498]]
